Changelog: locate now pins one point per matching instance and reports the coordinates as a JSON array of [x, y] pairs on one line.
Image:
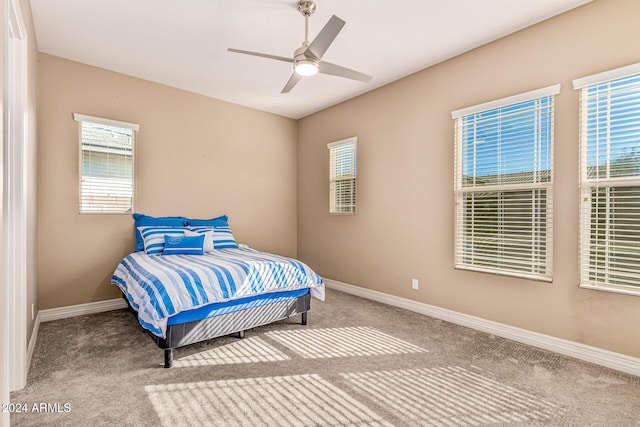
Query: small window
[[504, 185], [610, 180], [106, 165], [342, 176]]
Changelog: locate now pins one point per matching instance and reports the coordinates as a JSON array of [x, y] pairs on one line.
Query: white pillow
[[208, 238]]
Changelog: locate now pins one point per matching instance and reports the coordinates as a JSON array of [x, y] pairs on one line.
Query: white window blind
[[106, 165], [342, 176], [503, 186], [610, 180]]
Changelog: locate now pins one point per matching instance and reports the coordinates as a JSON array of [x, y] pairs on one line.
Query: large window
[[610, 180], [342, 176], [106, 165], [503, 185]]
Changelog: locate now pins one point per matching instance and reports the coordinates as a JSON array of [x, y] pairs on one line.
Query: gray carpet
[[356, 363]]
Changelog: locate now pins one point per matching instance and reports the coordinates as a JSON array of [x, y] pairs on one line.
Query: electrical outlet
[[414, 284]]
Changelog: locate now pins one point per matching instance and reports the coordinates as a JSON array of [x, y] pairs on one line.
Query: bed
[[201, 290]]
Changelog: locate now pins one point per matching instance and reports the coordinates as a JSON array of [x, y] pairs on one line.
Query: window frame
[[609, 183], [334, 206], [501, 189], [83, 118]]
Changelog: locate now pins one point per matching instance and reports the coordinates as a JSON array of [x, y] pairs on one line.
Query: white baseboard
[[32, 341], [617, 361], [81, 309]]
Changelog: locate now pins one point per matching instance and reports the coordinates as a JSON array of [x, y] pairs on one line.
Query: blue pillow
[[154, 237], [208, 237], [222, 236], [220, 221], [185, 245], [146, 220]]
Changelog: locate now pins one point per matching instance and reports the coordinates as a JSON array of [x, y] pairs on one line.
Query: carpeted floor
[[357, 363]]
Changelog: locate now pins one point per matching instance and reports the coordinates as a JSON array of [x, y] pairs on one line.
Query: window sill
[[626, 290], [528, 276]]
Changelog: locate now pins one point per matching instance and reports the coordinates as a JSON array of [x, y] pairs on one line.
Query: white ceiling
[[184, 43]]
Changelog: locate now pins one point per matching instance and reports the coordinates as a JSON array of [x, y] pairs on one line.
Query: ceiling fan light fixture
[[306, 67]]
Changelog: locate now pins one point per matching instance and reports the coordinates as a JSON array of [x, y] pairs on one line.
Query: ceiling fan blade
[[336, 70], [295, 78], [263, 55], [325, 37]]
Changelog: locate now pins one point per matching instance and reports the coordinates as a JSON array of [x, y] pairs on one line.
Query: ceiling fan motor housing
[[301, 53]]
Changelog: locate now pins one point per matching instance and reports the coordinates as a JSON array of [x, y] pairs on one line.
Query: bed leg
[[304, 318], [168, 357], [241, 334]]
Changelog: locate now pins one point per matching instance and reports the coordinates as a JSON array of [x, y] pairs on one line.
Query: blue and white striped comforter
[[160, 286]]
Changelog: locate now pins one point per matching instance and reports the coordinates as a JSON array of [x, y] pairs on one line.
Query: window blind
[[503, 186], [342, 176], [106, 165], [610, 180]]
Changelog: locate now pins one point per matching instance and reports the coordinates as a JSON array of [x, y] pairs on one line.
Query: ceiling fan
[[307, 59]]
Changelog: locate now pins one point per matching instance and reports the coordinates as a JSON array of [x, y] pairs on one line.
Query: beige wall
[[196, 156], [404, 226]]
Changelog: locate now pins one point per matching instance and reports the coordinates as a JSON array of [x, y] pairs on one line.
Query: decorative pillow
[[142, 220], [222, 236], [185, 245], [208, 237], [153, 237], [221, 221]]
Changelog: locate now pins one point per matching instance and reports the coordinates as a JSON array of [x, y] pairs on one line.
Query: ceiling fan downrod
[[306, 7]]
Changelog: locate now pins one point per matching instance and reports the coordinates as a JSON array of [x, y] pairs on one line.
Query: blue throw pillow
[[142, 220], [184, 245], [221, 221], [154, 237], [208, 236]]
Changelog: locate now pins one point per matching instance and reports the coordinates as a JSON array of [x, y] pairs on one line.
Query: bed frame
[[235, 322]]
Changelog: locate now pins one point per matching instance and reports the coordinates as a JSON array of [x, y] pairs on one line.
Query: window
[[106, 165], [503, 185], [342, 176], [610, 180]]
